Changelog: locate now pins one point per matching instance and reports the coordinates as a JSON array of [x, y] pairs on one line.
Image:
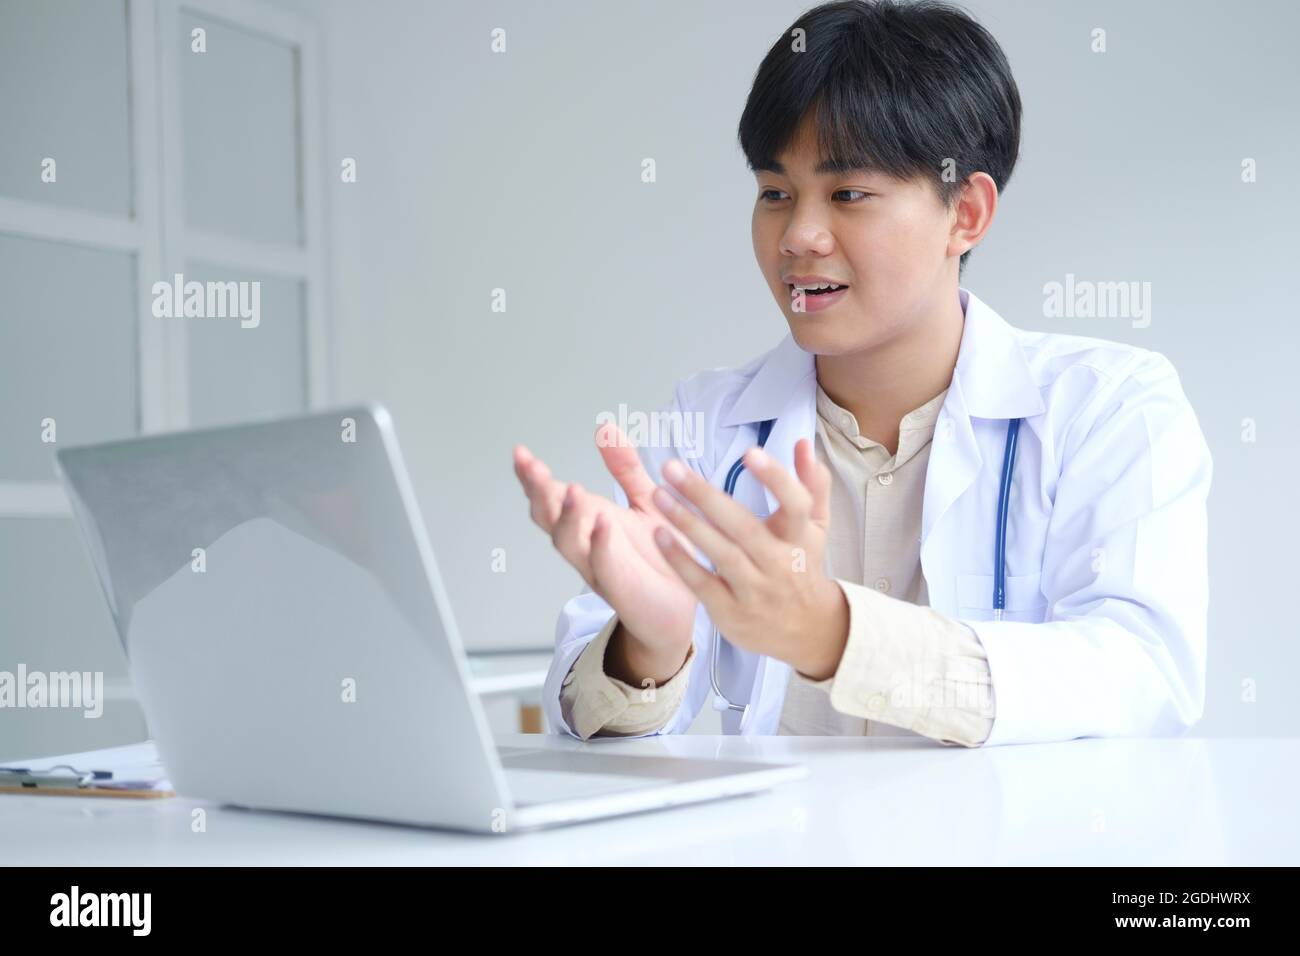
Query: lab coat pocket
[[1025, 602]]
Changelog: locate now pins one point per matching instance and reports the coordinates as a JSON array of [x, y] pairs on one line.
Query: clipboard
[[133, 771], [91, 791]]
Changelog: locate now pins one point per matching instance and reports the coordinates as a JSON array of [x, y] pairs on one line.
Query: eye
[[853, 192], [766, 196]]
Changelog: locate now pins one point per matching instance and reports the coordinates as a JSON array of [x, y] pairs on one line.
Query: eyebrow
[[825, 167]]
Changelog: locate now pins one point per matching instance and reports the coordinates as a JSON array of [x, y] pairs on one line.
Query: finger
[[572, 532], [545, 494], [607, 563], [710, 589], [816, 477], [520, 457], [794, 499], [730, 517], [729, 559], [601, 555], [520, 454], [546, 498], [622, 461]]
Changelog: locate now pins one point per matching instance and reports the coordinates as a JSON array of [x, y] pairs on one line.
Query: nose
[[806, 235]]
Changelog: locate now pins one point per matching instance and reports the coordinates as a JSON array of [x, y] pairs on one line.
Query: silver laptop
[[293, 648]]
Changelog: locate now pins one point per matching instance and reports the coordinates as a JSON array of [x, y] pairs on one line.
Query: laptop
[[293, 648]]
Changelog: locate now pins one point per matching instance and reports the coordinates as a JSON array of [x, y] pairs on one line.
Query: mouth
[[815, 298]]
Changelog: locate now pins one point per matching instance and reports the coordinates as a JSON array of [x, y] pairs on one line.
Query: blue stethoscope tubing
[[722, 702], [1004, 500]]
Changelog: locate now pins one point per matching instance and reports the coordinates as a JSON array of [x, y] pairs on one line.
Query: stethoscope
[[722, 702]]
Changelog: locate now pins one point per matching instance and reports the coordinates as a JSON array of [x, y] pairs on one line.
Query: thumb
[[602, 553], [622, 461]]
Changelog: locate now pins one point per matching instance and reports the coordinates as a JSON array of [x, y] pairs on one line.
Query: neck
[[882, 384]]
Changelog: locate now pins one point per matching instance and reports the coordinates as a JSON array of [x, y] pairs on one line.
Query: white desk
[[873, 800]]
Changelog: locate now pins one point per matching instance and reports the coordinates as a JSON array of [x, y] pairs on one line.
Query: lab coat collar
[[992, 374]]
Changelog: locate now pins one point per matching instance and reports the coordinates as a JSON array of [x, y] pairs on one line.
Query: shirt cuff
[[909, 666], [595, 703]]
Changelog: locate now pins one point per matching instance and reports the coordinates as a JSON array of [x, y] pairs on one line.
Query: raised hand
[[612, 547]]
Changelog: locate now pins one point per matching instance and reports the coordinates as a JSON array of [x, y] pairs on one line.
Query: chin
[[825, 334], [820, 336]]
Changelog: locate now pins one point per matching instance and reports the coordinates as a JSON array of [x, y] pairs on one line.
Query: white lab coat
[[1104, 632]]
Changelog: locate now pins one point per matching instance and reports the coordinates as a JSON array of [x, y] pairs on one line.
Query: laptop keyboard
[[528, 787], [537, 775]]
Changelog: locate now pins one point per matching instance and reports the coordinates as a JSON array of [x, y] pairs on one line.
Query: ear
[[973, 213]]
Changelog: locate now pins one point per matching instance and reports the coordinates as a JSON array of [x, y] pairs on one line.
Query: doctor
[[953, 527]]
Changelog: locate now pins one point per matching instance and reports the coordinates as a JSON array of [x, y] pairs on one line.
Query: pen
[[48, 775]]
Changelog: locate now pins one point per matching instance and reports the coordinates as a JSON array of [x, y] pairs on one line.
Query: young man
[[954, 528]]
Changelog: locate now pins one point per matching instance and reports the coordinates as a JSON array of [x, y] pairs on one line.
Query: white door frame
[[155, 233]]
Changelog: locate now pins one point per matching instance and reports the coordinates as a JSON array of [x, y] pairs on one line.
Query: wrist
[[632, 661], [829, 637]]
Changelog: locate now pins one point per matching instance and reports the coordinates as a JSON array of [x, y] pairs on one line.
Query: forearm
[[632, 661], [910, 666], [595, 703]]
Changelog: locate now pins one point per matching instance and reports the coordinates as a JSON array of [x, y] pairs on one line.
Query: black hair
[[894, 87]]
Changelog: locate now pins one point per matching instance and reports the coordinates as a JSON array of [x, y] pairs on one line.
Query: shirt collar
[[915, 430], [995, 377], [921, 418]]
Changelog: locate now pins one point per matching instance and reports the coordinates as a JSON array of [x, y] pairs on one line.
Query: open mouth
[[816, 298], [819, 290]]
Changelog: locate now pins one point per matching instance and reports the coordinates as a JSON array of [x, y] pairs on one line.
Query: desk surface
[[870, 800]]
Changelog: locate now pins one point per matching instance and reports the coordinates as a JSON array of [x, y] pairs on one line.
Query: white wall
[[522, 171]]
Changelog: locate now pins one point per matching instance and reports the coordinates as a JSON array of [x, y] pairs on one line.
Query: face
[[889, 241]]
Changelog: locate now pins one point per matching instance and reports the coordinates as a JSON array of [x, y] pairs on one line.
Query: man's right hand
[[614, 551]]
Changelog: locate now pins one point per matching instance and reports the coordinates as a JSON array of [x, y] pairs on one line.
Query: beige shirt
[[906, 669]]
